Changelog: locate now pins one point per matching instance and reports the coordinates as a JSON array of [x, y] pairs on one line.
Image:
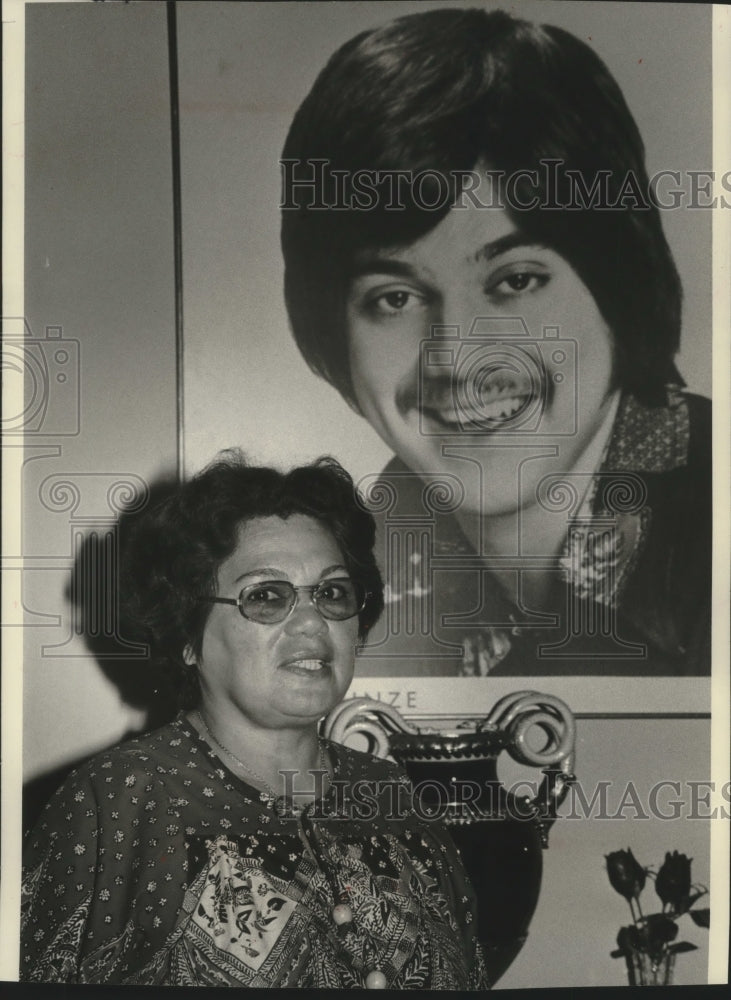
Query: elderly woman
[[235, 846]]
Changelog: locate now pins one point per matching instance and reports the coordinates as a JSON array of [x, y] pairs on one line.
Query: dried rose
[[626, 874], [672, 883]]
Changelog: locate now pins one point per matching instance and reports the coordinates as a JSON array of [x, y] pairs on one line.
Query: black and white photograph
[[366, 494]]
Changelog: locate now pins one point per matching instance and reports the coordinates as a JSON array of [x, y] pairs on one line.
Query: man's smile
[[491, 397]]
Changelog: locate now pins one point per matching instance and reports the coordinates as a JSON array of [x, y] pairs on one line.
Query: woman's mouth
[[307, 665]]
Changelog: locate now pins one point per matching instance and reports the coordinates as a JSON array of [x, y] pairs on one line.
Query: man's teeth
[[498, 409], [502, 408], [308, 664]]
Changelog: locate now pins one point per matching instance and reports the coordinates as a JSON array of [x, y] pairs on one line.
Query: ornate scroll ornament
[[373, 718], [376, 495], [507, 727], [561, 494], [404, 496], [93, 496], [517, 713], [621, 493], [60, 494], [443, 495]]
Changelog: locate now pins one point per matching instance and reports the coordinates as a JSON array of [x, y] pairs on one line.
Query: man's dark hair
[[174, 550], [446, 91]]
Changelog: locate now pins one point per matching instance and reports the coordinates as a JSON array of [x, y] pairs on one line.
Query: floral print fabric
[[154, 864]]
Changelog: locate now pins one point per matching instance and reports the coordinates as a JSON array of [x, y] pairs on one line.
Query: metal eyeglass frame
[[238, 602]]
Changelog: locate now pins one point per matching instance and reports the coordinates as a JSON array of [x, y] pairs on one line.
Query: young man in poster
[[475, 260]]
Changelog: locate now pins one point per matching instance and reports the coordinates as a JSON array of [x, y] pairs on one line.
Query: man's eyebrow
[[380, 263], [375, 264], [502, 244]]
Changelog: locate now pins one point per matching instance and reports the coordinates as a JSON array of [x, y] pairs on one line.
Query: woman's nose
[[304, 617]]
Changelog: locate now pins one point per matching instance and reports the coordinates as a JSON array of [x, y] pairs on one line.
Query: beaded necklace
[[342, 912], [250, 770]]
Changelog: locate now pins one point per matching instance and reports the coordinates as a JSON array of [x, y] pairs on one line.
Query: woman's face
[[286, 675]]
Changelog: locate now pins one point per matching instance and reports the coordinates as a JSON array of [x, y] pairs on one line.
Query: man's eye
[[517, 283], [392, 303]]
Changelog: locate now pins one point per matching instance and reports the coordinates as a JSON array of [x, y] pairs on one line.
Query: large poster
[[442, 619], [477, 266]]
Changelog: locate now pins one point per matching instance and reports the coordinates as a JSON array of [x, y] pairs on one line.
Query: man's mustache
[[482, 387]]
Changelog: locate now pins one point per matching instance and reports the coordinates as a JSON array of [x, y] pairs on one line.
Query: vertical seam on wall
[[177, 236]]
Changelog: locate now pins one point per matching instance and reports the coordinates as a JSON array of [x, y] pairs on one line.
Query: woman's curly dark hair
[[173, 550]]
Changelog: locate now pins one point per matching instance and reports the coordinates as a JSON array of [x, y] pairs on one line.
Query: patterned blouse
[[154, 864]]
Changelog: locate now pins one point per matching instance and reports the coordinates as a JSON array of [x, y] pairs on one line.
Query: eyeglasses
[[271, 601]]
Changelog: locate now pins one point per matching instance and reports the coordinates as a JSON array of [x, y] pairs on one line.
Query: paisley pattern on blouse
[[155, 865]]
